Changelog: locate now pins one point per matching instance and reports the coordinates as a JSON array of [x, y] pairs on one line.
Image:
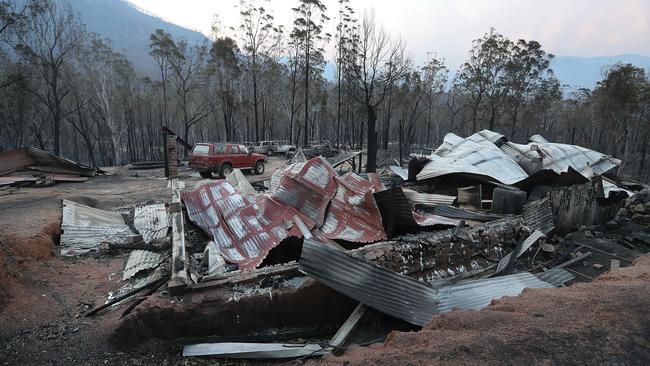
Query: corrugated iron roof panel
[[556, 276], [14, 160], [83, 228], [239, 181], [308, 187], [343, 157], [245, 228], [140, 260], [151, 221], [353, 214], [538, 215], [389, 292], [478, 294], [475, 155]]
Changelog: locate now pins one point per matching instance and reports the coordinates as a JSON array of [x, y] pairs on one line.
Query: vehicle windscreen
[[243, 149], [201, 149]]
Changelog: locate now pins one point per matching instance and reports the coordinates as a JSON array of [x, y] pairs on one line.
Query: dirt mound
[[39, 246], [602, 322]]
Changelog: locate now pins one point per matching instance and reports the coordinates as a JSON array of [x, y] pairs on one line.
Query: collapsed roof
[[489, 155]]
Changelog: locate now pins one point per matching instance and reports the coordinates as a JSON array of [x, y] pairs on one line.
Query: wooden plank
[[344, 331]]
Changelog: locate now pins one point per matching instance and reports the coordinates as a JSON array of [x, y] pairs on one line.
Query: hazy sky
[[563, 27]]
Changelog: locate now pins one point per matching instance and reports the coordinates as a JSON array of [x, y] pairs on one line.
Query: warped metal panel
[[353, 214], [476, 156], [253, 350], [140, 260], [399, 218], [538, 215], [14, 160], [83, 228], [37, 159], [151, 221], [539, 155], [245, 228], [239, 181], [9, 180], [459, 213], [556, 276], [428, 199], [389, 292], [343, 157], [307, 187], [478, 294]]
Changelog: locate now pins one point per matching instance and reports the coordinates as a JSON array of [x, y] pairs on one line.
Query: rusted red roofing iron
[[244, 227], [247, 227], [353, 214]]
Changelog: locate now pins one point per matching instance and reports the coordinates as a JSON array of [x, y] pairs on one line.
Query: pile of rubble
[[478, 219], [637, 208], [35, 167]]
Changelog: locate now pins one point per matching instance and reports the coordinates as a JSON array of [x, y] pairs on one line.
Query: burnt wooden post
[[171, 166]]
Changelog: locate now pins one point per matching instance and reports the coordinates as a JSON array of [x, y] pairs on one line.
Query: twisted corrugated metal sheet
[[475, 155], [353, 214], [151, 221], [478, 294], [83, 228], [140, 260], [244, 227], [389, 292]]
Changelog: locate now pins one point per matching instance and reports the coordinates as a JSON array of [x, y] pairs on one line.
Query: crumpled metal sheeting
[[609, 188], [433, 220], [18, 159], [253, 350], [475, 295], [384, 290], [559, 158], [239, 181], [353, 214], [245, 228], [376, 182], [538, 215], [474, 155], [428, 199], [151, 221], [308, 187], [556, 276], [459, 213], [399, 218], [83, 228], [140, 260], [343, 157]]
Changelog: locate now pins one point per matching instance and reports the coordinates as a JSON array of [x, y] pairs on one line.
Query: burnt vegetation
[[65, 90]]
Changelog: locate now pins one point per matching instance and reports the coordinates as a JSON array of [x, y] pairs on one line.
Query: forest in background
[[68, 91]]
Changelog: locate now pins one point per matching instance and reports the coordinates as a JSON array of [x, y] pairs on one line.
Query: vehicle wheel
[[206, 174], [225, 170], [269, 152], [259, 167]]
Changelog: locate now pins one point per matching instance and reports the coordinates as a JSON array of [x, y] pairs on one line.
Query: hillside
[[128, 28]]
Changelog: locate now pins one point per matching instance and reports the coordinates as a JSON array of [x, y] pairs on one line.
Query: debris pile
[[32, 166], [478, 219]]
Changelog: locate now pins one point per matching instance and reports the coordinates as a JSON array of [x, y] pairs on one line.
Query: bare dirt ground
[[42, 297], [605, 322]]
